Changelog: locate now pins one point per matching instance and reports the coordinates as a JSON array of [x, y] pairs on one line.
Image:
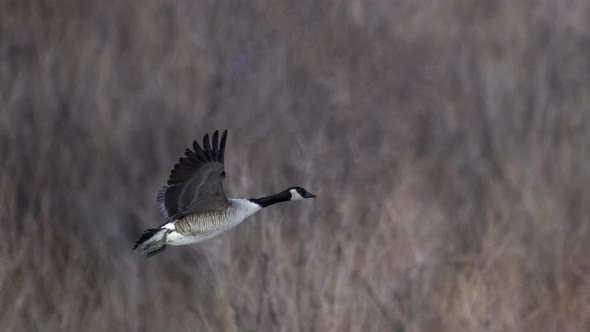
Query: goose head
[[298, 193]]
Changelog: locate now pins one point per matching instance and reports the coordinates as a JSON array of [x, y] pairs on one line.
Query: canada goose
[[194, 204]]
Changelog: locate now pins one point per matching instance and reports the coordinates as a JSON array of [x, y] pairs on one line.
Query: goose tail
[[152, 241]]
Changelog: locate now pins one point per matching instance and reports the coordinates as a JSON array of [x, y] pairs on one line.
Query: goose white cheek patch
[[295, 195]]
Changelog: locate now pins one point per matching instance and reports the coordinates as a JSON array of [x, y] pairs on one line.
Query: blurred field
[[448, 143]]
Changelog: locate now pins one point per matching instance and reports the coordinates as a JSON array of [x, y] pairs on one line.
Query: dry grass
[[448, 144]]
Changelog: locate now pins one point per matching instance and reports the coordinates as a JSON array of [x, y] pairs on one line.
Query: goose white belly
[[177, 239], [203, 226]]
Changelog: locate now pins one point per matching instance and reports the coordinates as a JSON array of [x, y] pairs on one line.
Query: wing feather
[[222, 147], [207, 146], [196, 182]]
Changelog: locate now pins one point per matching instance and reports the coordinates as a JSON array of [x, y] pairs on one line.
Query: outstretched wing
[[196, 181]]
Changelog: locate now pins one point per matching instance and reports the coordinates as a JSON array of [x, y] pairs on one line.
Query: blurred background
[[447, 143]]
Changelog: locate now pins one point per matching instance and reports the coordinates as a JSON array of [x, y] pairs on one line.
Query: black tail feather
[[146, 235]]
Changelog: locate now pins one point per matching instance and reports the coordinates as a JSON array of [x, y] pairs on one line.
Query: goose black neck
[[272, 199]]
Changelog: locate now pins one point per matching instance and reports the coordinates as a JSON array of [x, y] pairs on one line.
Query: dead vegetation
[[447, 142]]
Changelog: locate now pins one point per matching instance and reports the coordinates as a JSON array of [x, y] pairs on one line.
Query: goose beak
[[309, 195]]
